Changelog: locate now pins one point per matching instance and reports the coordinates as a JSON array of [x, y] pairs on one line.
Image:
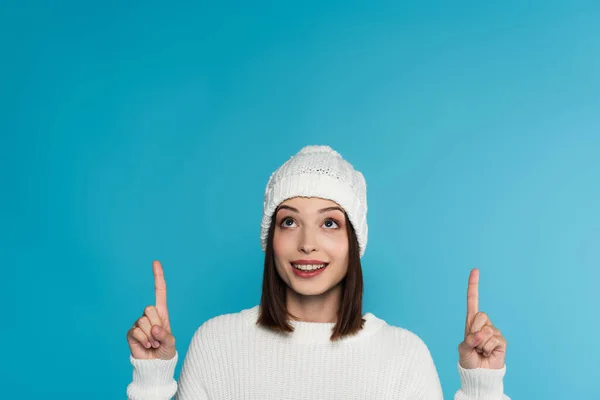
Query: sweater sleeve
[[426, 381], [477, 384], [154, 379], [481, 384]]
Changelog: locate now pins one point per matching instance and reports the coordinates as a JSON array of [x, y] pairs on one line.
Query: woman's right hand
[[150, 336]]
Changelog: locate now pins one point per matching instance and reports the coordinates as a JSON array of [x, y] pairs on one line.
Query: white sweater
[[230, 357]]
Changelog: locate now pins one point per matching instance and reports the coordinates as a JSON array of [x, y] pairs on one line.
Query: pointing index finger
[[160, 287], [473, 294]]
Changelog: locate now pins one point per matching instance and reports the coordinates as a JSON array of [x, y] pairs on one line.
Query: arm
[[482, 354], [481, 384], [427, 381], [154, 379], [154, 367], [477, 384]]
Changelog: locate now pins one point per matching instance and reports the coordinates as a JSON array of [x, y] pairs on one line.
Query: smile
[[309, 267]]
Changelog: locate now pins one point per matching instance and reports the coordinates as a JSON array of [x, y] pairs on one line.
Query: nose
[[307, 243]]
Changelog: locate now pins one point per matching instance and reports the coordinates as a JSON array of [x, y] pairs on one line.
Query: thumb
[[162, 335], [470, 342]]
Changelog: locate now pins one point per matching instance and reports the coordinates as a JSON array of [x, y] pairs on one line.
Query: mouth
[[309, 267]]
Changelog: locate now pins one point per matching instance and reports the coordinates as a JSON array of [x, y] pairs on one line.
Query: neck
[[314, 332], [314, 308]]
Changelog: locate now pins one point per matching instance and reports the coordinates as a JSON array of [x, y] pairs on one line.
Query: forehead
[[309, 204]]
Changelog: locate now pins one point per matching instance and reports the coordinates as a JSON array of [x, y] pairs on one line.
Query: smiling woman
[[312, 268], [310, 318]]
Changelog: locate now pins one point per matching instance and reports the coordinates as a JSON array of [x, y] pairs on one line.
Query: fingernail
[[158, 330], [156, 344], [148, 345]]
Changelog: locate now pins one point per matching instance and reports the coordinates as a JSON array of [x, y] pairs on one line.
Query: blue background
[[140, 131]]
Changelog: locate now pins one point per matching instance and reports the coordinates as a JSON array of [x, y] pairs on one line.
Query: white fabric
[[231, 357], [318, 171]]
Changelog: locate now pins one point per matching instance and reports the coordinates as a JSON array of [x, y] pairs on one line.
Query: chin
[[309, 291], [312, 288]]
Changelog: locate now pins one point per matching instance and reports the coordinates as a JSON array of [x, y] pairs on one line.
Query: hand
[[150, 337], [484, 346]]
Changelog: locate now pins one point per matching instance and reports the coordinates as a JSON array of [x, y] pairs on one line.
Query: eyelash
[[281, 224]]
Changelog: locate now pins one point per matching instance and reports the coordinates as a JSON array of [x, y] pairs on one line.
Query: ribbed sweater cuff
[[482, 383], [153, 379]]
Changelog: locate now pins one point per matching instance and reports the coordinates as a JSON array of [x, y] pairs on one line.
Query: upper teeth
[[308, 267]]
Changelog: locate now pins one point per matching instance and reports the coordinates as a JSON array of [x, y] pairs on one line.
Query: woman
[[308, 337]]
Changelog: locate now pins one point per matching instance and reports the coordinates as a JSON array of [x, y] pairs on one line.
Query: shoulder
[[410, 350], [404, 335], [402, 340], [224, 325]]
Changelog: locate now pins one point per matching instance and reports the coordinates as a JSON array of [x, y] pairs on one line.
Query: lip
[[308, 262], [308, 274]]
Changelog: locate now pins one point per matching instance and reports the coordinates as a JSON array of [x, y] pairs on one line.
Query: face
[[311, 231]]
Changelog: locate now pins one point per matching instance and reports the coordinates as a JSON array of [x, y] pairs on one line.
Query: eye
[[286, 222], [329, 222]]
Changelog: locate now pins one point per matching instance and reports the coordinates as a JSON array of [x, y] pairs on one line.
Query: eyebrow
[[322, 210]]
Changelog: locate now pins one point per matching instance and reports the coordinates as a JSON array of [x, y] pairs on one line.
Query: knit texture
[[318, 171], [230, 357]]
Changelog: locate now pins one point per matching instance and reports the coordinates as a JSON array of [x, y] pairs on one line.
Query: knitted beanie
[[318, 171]]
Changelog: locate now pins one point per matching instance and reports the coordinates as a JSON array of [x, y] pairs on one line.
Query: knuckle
[[140, 335], [148, 309], [492, 343]]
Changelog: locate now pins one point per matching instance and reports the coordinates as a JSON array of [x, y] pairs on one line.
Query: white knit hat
[[318, 171]]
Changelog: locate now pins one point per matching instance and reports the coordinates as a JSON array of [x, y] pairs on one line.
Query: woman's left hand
[[484, 346]]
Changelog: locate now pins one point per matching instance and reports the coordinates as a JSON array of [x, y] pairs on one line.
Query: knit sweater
[[231, 357]]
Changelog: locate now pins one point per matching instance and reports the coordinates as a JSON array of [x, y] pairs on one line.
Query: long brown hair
[[273, 310]]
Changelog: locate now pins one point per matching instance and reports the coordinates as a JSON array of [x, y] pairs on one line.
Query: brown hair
[[273, 312]]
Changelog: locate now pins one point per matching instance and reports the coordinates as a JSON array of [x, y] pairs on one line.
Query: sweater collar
[[316, 332]]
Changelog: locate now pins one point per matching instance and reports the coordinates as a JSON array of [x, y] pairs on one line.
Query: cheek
[[281, 252], [282, 243], [336, 245], [277, 243]]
